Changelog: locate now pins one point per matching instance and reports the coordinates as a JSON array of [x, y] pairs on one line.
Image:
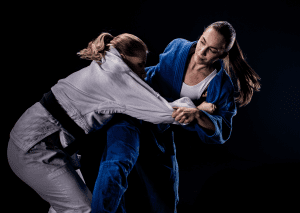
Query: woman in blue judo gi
[[208, 67]]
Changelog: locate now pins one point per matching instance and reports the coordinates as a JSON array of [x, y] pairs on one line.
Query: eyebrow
[[210, 46]]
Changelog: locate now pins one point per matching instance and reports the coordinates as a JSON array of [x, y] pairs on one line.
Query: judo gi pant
[[49, 171], [133, 162]]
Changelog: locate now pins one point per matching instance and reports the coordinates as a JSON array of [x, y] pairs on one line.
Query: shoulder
[[179, 43], [226, 80], [177, 50], [227, 88]]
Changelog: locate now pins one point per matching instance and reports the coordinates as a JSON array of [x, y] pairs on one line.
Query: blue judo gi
[[149, 149]]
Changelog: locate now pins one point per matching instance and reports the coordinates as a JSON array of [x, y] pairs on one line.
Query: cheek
[[198, 52], [198, 49], [212, 58]]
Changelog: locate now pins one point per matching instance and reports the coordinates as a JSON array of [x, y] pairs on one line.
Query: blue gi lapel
[[214, 88], [178, 68]]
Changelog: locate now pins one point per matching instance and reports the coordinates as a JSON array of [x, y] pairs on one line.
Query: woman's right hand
[[184, 114]]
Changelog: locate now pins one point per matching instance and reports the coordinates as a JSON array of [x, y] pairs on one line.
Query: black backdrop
[[257, 168]]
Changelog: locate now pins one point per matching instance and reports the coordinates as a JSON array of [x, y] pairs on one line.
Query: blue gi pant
[[154, 187]]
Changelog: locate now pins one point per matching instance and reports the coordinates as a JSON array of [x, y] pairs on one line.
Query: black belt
[[55, 109]]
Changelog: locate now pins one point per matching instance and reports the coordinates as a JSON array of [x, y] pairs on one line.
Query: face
[[137, 63], [210, 47]]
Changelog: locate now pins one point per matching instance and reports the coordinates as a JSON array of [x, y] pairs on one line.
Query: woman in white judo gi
[[79, 104]]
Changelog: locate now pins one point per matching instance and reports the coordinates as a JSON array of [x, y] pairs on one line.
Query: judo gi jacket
[[91, 96], [167, 77]]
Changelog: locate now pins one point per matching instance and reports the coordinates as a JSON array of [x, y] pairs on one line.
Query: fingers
[[176, 112], [181, 119], [181, 115], [188, 120], [213, 107]]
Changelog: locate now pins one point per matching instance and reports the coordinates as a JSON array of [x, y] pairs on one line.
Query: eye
[[213, 51]]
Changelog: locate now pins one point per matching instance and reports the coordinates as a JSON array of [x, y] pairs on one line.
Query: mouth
[[202, 59]]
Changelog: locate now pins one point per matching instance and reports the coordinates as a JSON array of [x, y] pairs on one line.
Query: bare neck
[[196, 72]]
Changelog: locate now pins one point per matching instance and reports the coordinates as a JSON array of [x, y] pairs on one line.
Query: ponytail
[[125, 43], [247, 78], [96, 49]]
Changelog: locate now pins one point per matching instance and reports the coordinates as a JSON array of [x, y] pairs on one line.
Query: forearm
[[204, 121], [187, 115]]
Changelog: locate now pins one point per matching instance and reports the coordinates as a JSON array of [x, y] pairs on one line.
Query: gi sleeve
[[222, 119]]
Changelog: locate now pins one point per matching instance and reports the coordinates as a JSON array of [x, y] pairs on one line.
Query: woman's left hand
[[184, 114]]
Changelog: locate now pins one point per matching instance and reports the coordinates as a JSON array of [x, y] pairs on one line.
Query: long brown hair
[[125, 43], [247, 78]]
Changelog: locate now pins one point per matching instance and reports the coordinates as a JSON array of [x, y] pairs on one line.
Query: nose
[[203, 51]]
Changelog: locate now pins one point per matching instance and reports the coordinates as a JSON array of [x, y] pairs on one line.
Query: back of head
[[125, 43], [128, 44]]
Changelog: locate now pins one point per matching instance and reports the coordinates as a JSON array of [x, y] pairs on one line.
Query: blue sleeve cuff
[[216, 137]]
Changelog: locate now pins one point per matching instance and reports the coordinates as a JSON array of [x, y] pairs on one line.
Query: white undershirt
[[195, 92]]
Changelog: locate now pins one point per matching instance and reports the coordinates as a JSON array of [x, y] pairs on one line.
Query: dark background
[[257, 168]]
